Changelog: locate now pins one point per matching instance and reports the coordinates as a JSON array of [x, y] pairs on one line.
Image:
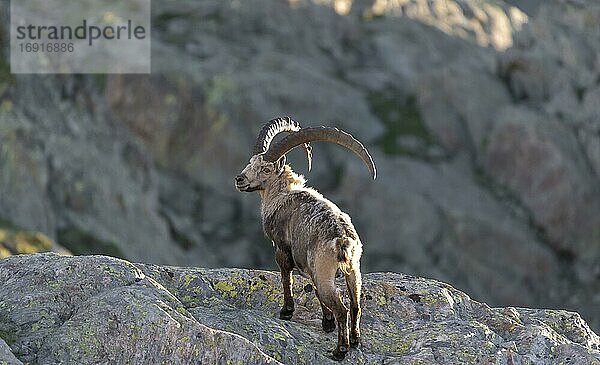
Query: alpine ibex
[[308, 231]]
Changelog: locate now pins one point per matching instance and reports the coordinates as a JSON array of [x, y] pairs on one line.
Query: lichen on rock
[[96, 309]]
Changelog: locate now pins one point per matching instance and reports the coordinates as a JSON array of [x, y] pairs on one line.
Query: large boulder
[[96, 309]]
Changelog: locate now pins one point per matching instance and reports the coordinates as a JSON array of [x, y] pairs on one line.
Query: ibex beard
[[309, 232]]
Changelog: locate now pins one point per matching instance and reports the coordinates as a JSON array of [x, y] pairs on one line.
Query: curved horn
[[327, 134], [273, 128]]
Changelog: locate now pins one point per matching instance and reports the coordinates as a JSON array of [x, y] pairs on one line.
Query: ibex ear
[[280, 164]]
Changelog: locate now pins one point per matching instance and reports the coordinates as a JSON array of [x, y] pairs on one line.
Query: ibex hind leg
[[324, 280], [354, 283], [328, 320]]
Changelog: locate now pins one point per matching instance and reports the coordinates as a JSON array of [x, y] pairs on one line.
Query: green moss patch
[[401, 117], [8, 337]]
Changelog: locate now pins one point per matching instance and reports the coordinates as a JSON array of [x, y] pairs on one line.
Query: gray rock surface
[[96, 309], [6, 356], [483, 123]]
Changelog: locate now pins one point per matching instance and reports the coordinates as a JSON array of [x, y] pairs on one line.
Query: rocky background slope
[[95, 309], [483, 122]]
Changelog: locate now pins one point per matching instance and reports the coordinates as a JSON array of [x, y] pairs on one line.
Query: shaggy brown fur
[[312, 234]]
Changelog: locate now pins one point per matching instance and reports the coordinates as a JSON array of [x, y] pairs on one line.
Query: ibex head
[[268, 160]]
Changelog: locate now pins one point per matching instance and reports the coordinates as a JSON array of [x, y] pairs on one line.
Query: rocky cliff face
[[95, 309], [482, 121]]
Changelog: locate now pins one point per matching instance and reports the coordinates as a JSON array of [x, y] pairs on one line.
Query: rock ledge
[[95, 309]]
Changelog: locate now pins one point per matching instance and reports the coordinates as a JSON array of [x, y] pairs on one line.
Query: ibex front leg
[[286, 265]]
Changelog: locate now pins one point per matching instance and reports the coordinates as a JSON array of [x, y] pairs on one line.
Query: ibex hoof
[[355, 342], [340, 353], [328, 324], [286, 313]]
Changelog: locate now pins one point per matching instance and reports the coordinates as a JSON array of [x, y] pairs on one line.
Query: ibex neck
[[287, 181]]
